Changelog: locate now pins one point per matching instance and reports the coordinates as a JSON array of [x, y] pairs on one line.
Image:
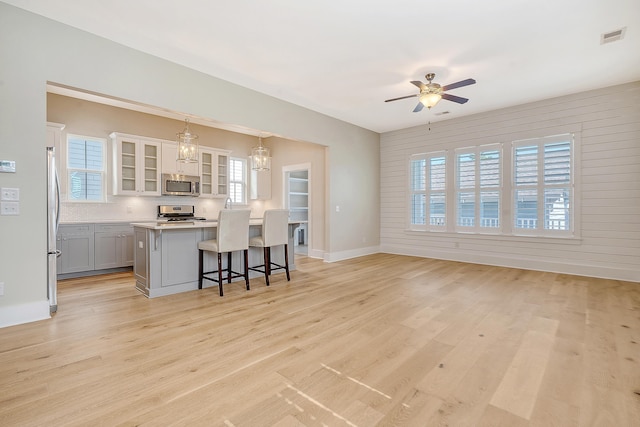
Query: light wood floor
[[375, 341]]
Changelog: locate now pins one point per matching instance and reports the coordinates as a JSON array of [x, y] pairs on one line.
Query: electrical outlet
[[12, 194], [9, 208]]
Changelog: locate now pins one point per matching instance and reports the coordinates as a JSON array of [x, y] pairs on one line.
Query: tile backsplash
[[124, 208]]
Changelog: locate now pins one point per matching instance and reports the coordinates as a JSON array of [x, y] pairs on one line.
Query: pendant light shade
[[187, 145], [260, 157]]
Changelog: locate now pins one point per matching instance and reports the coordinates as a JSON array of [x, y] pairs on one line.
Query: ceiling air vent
[[613, 36], [442, 114]]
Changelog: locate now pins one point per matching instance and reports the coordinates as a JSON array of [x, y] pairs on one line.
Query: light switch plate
[[8, 166], [9, 208], [12, 194]]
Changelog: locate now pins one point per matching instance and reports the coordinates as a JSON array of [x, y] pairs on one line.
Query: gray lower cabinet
[[166, 261], [86, 248], [180, 257], [113, 246], [76, 244], [141, 264]]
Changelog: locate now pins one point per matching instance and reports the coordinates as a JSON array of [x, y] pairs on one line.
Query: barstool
[[275, 226], [232, 235]]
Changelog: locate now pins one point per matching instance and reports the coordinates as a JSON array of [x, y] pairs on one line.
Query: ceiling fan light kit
[[431, 93], [430, 99]]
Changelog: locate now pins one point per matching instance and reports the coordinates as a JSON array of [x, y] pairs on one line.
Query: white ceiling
[[343, 58]]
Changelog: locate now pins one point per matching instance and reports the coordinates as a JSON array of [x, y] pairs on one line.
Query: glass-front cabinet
[[170, 163], [136, 165], [214, 173]]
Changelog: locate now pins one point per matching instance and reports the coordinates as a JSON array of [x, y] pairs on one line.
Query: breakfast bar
[[166, 254]]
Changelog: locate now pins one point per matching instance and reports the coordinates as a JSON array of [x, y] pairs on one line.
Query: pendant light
[[187, 145], [260, 157]]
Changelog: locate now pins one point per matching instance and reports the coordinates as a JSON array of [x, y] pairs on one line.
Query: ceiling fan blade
[[419, 84], [458, 99], [418, 107], [402, 97], [458, 84]]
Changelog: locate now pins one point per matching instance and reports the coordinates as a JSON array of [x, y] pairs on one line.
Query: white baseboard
[[588, 270], [354, 253], [24, 313], [315, 253]]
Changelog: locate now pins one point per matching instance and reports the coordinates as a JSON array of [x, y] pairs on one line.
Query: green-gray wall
[[35, 50]]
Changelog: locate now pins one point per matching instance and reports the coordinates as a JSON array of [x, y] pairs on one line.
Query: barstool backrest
[[233, 230], [275, 227]]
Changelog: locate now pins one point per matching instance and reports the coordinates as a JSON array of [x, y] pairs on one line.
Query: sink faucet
[[228, 203]]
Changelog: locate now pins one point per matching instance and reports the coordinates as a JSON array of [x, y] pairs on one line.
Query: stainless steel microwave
[[180, 185]]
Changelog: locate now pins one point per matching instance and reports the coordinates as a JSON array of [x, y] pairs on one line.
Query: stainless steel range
[[178, 213]]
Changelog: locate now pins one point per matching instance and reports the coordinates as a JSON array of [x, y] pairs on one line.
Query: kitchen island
[[166, 255]]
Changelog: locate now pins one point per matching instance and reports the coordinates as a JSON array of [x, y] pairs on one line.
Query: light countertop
[[106, 221], [176, 225]]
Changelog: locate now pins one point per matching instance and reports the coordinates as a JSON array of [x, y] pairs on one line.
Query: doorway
[[297, 196]]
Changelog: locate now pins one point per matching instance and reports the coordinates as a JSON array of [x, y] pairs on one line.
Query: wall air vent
[[613, 36]]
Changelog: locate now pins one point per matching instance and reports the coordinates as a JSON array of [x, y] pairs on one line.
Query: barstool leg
[[200, 269], [286, 261], [220, 272], [265, 255], [268, 260], [246, 267]]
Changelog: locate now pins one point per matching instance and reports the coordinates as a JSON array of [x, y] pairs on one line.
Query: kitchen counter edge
[[178, 225]]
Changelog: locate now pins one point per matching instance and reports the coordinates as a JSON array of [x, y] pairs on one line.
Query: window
[[478, 188], [527, 191], [85, 168], [238, 180], [543, 184], [428, 191]]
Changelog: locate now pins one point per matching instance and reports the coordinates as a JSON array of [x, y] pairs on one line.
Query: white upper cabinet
[[260, 185], [136, 165], [214, 172], [139, 162], [170, 164]]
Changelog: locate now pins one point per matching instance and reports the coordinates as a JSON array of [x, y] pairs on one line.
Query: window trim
[[541, 186], [103, 173], [243, 182], [478, 190], [507, 191], [427, 192]]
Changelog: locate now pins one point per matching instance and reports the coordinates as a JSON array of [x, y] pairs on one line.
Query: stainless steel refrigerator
[[53, 220]]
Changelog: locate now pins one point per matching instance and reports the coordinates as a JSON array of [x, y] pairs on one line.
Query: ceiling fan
[[431, 93]]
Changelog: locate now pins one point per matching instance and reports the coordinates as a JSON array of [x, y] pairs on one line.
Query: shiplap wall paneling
[[608, 176]]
